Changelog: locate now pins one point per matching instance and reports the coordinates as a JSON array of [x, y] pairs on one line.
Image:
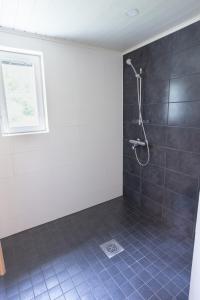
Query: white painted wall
[[79, 163], [195, 275]]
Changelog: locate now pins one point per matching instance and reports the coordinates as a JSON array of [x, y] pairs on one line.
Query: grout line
[[186, 101], [168, 102], [181, 173], [186, 75], [170, 126]]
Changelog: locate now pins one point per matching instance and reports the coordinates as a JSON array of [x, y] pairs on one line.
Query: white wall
[[79, 163], [195, 275]]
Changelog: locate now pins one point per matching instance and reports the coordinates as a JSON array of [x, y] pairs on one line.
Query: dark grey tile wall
[[168, 187]]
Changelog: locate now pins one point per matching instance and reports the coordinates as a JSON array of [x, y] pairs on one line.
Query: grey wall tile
[[181, 205], [153, 174], [161, 47], [185, 88], [131, 131], [127, 151], [180, 226], [187, 37], [130, 86], [159, 67], [185, 62], [131, 180], [181, 183], [184, 138], [156, 134], [151, 207], [157, 155], [132, 196], [130, 112], [155, 91], [131, 165], [185, 162], [153, 191], [155, 113], [184, 114]]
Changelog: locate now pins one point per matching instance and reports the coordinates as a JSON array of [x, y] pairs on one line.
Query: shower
[[138, 142]]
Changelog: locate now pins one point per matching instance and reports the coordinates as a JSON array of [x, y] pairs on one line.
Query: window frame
[[26, 57]]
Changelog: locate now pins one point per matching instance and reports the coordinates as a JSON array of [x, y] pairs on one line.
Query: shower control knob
[[137, 142]]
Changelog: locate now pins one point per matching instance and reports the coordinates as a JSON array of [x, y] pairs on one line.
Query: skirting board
[[2, 264]]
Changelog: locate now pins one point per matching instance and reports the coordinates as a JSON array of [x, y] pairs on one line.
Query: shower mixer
[[136, 143]]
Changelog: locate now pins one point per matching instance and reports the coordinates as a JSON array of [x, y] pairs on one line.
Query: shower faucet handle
[[136, 121], [137, 142]]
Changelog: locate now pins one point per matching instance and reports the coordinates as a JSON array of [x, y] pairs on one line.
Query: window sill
[[24, 133]]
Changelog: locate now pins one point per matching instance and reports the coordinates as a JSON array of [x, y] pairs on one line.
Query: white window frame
[[26, 57]]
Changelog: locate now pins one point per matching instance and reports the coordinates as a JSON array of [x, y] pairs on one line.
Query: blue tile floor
[[62, 259]]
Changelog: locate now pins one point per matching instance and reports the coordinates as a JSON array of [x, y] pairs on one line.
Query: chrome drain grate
[[111, 248]]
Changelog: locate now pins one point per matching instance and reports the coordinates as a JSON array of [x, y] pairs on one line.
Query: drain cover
[[111, 248]]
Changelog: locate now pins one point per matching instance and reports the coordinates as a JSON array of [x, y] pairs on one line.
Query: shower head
[[129, 63]]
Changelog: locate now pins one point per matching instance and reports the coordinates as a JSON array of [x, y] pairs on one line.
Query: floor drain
[[111, 248]]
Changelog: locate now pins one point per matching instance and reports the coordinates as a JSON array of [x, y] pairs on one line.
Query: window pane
[[20, 94]]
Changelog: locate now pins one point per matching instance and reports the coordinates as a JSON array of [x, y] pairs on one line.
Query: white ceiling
[[97, 22]]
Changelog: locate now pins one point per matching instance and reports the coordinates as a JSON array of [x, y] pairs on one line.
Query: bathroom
[[99, 150]]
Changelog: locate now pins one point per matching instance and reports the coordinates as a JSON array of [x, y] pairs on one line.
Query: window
[[22, 92]]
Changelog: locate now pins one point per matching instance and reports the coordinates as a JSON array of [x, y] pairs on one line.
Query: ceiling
[[101, 23]]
